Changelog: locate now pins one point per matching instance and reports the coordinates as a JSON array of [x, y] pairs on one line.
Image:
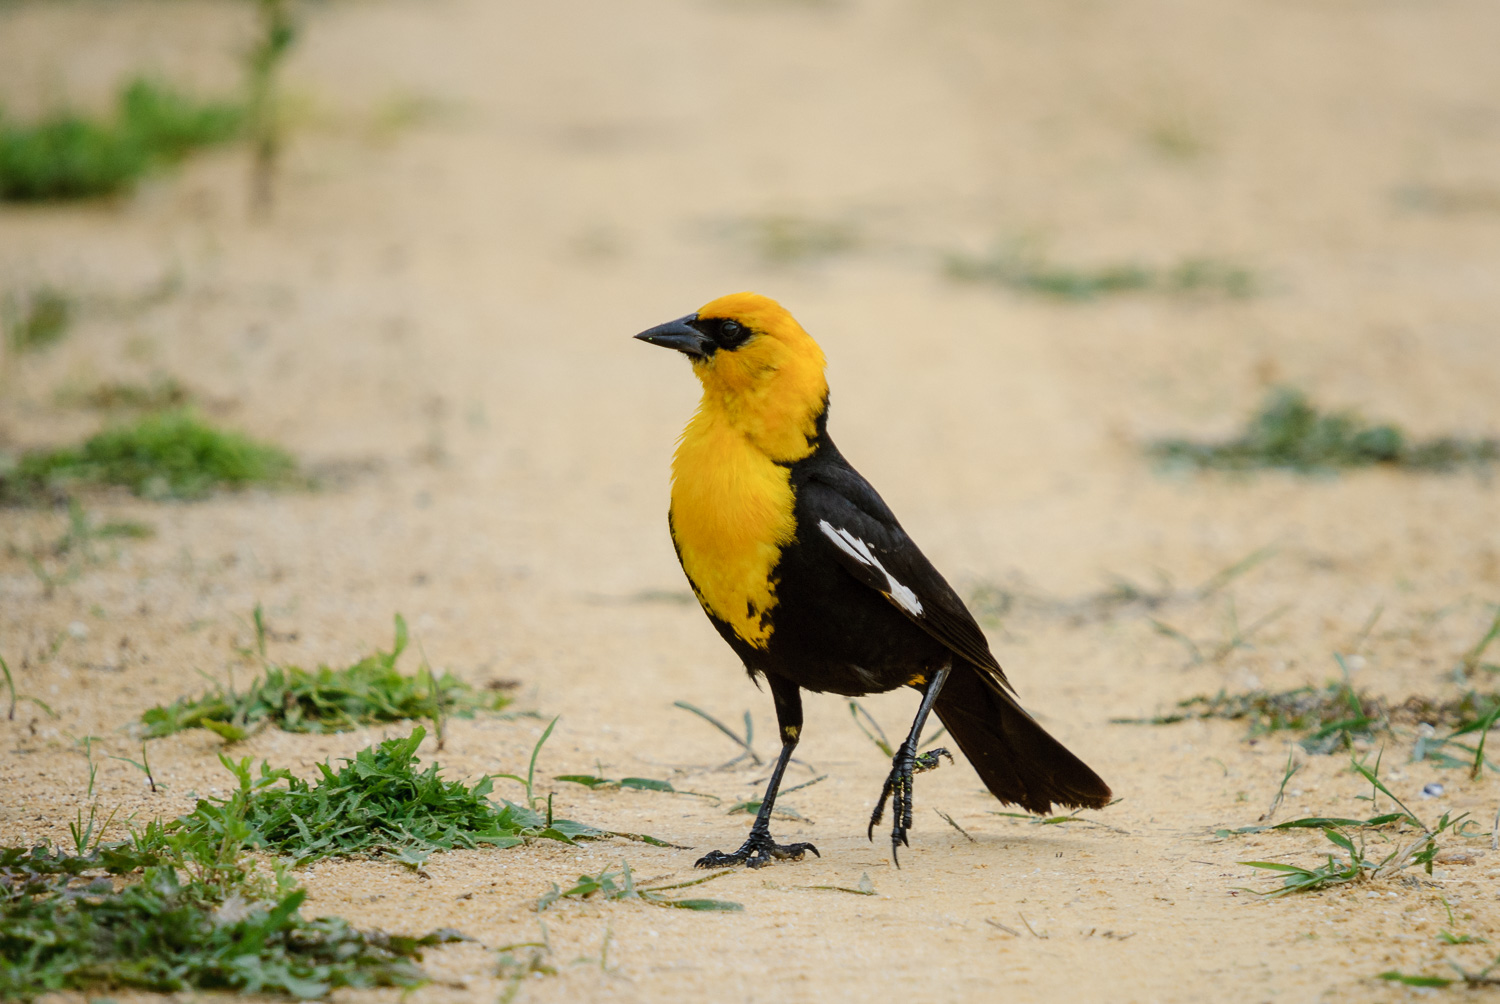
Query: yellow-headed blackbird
[[811, 580]]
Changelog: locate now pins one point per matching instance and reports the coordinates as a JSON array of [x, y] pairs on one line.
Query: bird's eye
[[730, 330]]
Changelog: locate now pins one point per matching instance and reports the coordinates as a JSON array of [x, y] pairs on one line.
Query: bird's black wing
[[854, 527]]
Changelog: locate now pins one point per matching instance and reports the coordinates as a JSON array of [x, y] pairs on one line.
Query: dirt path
[[485, 200]]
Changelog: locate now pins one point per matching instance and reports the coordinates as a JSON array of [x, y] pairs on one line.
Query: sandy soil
[[484, 200]]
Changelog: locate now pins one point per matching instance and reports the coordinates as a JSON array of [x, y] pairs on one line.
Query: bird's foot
[[898, 788], [759, 850]]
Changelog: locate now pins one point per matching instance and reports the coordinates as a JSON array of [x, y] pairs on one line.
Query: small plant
[[1360, 866], [620, 885], [1290, 433], [1023, 271], [69, 156], [36, 320], [597, 782], [10, 686], [378, 802], [873, 732], [1465, 978], [750, 807], [74, 549], [168, 455], [324, 700], [278, 31], [745, 743]]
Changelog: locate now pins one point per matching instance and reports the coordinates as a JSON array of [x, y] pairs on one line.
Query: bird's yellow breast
[[731, 516]]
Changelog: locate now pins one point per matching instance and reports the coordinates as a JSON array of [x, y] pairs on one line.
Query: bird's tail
[[1014, 756]]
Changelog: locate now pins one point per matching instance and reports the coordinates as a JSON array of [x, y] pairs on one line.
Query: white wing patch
[[860, 552]]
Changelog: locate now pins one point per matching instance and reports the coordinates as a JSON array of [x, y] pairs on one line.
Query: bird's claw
[[758, 851], [898, 787]]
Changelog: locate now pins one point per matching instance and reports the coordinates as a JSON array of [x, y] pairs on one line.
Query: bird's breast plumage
[[732, 514]]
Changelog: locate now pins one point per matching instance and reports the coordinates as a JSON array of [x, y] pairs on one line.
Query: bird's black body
[[853, 606], [832, 633]]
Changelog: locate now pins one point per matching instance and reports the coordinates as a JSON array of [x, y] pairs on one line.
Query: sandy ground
[[484, 200]]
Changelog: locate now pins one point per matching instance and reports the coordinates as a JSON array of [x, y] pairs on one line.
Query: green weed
[[991, 602], [1026, 272], [1466, 978], [324, 700], [745, 743], [60, 930], [377, 802], [188, 910], [1358, 865], [873, 732], [596, 782], [62, 561], [620, 885], [1472, 660], [36, 320], [69, 156], [168, 455], [1290, 433], [263, 61], [1071, 817], [10, 686], [1336, 716], [781, 810]]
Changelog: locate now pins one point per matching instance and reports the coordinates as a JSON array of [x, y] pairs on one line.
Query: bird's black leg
[[759, 849], [904, 765]]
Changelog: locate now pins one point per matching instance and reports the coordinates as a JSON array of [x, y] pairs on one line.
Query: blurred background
[[407, 243], [1117, 297]]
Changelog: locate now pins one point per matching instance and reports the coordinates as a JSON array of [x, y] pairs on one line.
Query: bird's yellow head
[[760, 371]]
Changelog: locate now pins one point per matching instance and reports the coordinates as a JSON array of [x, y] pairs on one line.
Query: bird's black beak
[[682, 336]]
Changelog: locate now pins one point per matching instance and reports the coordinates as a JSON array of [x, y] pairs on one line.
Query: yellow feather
[[732, 499]]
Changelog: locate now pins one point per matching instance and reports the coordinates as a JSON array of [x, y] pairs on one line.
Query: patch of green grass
[[163, 935], [1290, 433], [187, 909], [620, 885], [1026, 272], [1358, 865], [325, 700], [1335, 716], [170, 125], [171, 454], [378, 802], [36, 320], [69, 156]]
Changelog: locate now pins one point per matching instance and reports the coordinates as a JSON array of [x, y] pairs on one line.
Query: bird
[[812, 581]]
